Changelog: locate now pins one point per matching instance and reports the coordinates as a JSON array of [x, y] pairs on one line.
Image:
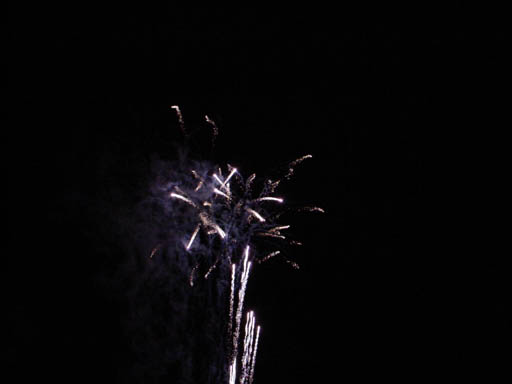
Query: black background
[[394, 282]]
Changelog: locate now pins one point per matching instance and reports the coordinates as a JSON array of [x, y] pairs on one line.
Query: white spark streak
[[201, 181], [250, 179], [210, 270], [199, 185], [241, 296], [193, 237], [248, 321], [154, 251], [177, 196], [277, 229], [268, 198], [231, 299], [217, 178], [229, 177], [218, 192], [255, 214], [312, 209], [232, 372], [214, 126], [192, 273], [270, 234], [272, 185], [180, 117], [251, 374], [275, 253], [220, 231], [300, 160], [249, 336], [294, 163]]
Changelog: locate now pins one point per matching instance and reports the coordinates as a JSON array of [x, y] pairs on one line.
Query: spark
[[231, 299], [300, 160], [233, 171], [220, 231], [268, 198], [291, 170], [312, 209], [192, 273], [293, 264], [199, 185], [210, 270], [277, 229], [201, 181], [232, 372], [218, 192], [214, 126], [177, 196], [251, 374], [180, 117], [248, 340], [241, 296], [250, 179], [270, 255], [217, 178], [193, 237], [270, 234], [272, 185], [154, 251], [256, 214]]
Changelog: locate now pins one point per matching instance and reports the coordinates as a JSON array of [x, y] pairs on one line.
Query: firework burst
[[231, 225]]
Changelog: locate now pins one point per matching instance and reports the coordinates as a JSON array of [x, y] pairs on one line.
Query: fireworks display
[[148, 242], [224, 223]]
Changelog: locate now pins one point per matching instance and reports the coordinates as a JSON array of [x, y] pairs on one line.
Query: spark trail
[[253, 358]]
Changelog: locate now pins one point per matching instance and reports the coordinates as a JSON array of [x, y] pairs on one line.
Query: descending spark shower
[[225, 219]]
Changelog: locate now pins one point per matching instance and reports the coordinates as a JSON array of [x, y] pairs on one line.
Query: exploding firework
[[230, 226]]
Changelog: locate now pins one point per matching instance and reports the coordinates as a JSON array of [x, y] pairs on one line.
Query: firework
[[224, 219]]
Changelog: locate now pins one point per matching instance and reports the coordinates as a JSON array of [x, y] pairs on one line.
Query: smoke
[[172, 330]]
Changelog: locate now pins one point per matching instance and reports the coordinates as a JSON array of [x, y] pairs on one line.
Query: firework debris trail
[[231, 299], [253, 358], [248, 342], [225, 219], [241, 297], [238, 318]]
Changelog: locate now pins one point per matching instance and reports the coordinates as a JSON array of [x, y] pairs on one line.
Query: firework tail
[[231, 304], [248, 341], [241, 297], [253, 364]]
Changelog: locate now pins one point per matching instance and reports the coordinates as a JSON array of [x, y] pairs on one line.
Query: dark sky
[[394, 282]]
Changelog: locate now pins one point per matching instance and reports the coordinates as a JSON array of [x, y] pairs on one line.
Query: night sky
[[395, 281]]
